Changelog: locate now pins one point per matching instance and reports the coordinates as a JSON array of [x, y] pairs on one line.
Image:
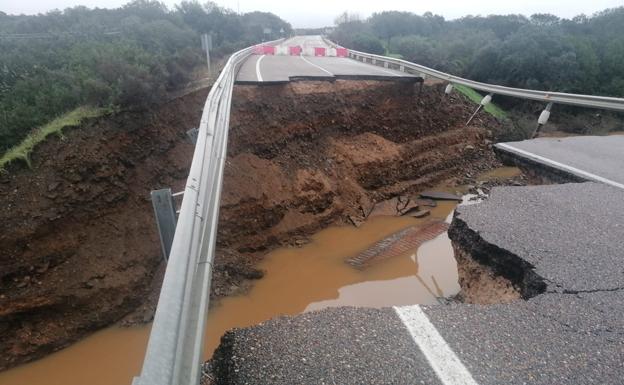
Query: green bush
[[369, 44]]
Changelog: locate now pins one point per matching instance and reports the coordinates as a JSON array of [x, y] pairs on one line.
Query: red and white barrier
[[295, 50], [263, 49], [320, 51], [342, 52]]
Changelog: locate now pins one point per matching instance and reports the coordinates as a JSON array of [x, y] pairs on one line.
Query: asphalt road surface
[[594, 158], [570, 334], [259, 69]]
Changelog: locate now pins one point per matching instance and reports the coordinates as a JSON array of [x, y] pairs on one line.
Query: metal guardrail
[[175, 350], [602, 102]]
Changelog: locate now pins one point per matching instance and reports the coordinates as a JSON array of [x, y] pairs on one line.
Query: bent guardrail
[[175, 347]]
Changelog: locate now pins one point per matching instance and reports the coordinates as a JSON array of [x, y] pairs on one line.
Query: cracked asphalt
[[570, 233], [573, 333]]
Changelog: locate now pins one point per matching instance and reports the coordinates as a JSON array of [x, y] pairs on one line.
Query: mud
[[79, 245]]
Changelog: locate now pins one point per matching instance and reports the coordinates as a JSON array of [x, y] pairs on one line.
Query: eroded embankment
[[309, 154], [79, 249], [306, 155], [79, 245]]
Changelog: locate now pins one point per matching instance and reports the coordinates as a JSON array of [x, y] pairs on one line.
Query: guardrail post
[[448, 89], [374, 61], [402, 68], [385, 64], [484, 102], [166, 219], [543, 119]]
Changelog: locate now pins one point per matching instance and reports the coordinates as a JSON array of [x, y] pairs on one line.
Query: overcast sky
[[319, 13]]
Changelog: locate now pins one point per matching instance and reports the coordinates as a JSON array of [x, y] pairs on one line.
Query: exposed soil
[[487, 273], [479, 284], [306, 155], [79, 246]]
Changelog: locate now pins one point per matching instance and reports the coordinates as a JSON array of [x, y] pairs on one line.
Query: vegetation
[[476, 97], [25, 148], [132, 56], [580, 55]]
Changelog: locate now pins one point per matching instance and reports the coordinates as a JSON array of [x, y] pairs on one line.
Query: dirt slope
[[79, 249], [304, 155]]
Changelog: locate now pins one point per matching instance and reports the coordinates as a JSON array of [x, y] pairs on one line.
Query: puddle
[[500, 173], [316, 276], [111, 356], [309, 278]]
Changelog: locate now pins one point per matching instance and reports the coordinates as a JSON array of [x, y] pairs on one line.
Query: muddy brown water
[[306, 278], [500, 173]]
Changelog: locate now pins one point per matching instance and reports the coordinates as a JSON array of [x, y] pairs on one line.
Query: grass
[[23, 150], [476, 97]]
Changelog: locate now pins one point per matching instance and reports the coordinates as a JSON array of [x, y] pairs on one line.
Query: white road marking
[[258, 75], [441, 357], [565, 167], [317, 66]]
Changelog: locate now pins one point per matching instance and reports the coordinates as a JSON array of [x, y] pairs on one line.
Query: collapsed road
[[541, 278], [540, 272], [569, 329], [302, 156]]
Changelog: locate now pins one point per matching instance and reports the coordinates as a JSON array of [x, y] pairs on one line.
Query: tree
[[368, 43], [129, 57], [346, 17]]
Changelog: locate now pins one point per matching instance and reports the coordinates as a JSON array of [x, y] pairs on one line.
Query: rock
[[43, 268], [355, 221], [440, 195], [24, 282], [52, 186], [407, 206], [385, 208], [421, 213], [411, 211], [469, 147]]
